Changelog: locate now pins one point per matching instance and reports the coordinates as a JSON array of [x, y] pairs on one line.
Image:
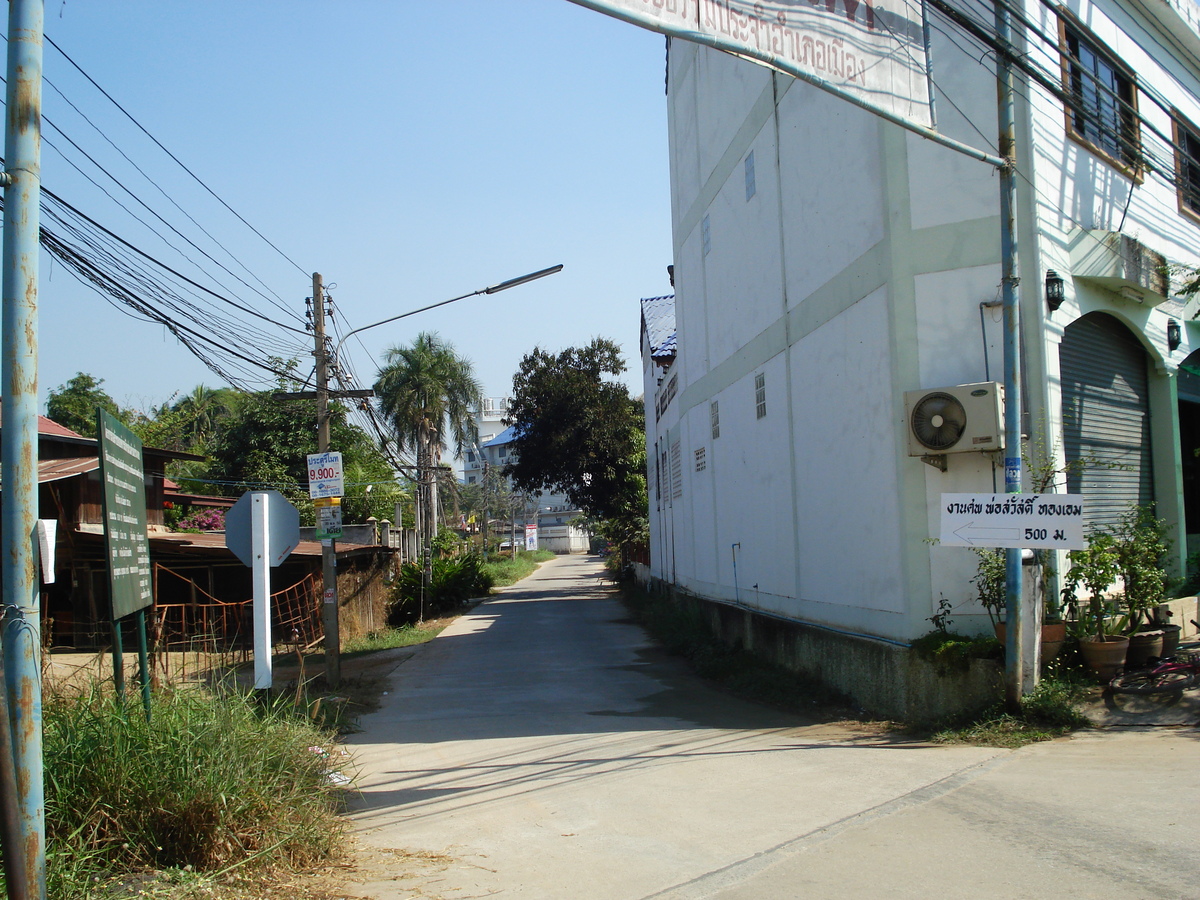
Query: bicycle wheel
[[1153, 681]]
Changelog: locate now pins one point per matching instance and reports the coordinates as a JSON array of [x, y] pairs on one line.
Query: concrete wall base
[[884, 679]]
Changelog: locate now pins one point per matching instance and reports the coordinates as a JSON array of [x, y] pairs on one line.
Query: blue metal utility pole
[[18, 444]]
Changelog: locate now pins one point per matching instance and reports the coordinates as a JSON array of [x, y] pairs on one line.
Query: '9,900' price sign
[[1015, 521], [325, 475]]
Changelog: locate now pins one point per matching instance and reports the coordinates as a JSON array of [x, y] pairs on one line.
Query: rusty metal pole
[[18, 443], [1014, 665], [329, 606]]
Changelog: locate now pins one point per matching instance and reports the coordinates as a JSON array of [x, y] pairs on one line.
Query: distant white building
[[489, 416], [828, 263], [554, 513]]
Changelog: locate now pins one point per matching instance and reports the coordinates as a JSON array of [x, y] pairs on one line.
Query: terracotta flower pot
[[1053, 636], [1105, 657]]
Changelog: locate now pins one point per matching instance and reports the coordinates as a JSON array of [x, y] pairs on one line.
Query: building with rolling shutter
[[832, 269]]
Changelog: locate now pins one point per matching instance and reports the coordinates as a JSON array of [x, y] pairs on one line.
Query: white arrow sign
[[1016, 521]]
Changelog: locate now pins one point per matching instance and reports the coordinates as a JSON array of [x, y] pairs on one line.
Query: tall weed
[[213, 780]]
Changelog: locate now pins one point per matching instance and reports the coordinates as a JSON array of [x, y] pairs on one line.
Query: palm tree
[[427, 393]]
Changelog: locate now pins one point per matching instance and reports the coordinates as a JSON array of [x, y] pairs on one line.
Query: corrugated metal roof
[[208, 541], [658, 319], [58, 469]]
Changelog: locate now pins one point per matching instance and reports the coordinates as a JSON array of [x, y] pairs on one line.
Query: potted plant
[[991, 587], [1142, 545], [1099, 628]]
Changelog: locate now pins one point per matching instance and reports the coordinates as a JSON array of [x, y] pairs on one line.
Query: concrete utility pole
[[25, 857], [1016, 682], [329, 609]]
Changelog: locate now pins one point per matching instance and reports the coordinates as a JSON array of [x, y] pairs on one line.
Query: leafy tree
[[190, 423], [73, 405], [426, 392], [264, 442], [579, 432]]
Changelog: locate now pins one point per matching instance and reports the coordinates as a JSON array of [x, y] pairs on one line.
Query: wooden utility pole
[[329, 608]]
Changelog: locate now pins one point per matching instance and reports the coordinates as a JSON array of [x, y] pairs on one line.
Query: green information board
[[124, 481]]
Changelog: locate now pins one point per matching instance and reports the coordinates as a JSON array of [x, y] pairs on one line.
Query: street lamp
[[493, 289]]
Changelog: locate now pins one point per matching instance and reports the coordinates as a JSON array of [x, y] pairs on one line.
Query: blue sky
[[409, 152]]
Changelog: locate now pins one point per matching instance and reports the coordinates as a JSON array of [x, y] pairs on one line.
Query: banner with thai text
[[871, 51]]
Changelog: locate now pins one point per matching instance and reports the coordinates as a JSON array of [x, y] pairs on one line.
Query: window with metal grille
[[714, 417], [760, 395], [701, 462], [1103, 112], [1187, 167], [656, 477], [676, 471]]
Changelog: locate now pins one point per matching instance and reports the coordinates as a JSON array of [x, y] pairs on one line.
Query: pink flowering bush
[[204, 520]]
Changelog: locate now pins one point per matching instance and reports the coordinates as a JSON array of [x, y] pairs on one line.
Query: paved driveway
[[541, 747]]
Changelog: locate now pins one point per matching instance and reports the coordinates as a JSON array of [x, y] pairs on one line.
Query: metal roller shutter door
[[1105, 395]]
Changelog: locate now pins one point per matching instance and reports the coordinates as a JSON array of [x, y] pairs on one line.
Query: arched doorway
[[1106, 419], [1188, 390]]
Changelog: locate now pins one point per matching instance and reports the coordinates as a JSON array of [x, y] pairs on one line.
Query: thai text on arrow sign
[[1016, 521]]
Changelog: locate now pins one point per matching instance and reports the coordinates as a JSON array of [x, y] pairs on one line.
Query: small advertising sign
[[531, 537], [329, 517], [325, 475]]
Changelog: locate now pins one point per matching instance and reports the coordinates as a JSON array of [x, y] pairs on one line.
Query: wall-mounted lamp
[[1054, 290], [1174, 336]]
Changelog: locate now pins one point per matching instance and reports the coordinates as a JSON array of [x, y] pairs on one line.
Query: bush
[[211, 781], [455, 581], [950, 652], [203, 520]]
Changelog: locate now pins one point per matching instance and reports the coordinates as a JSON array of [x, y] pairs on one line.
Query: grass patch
[[1050, 711], [682, 631], [214, 786], [505, 570], [390, 638]]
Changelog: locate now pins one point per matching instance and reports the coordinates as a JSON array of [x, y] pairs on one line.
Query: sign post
[[124, 482], [326, 487], [262, 529]]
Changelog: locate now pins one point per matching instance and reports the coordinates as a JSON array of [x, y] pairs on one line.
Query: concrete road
[[541, 747]]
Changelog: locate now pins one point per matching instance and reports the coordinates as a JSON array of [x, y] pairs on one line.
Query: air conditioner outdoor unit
[[955, 419]]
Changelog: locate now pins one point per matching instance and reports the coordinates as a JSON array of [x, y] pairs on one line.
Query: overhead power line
[[176, 159]]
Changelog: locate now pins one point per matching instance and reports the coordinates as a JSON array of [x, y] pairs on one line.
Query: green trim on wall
[[756, 120]]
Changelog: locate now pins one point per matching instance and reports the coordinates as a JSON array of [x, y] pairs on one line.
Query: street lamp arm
[[493, 289], [524, 279]]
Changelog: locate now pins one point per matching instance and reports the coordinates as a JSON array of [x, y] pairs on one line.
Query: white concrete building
[[554, 514], [489, 421], [827, 262]]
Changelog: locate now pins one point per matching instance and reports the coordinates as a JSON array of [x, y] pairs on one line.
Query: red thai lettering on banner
[[777, 35], [679, 9]]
